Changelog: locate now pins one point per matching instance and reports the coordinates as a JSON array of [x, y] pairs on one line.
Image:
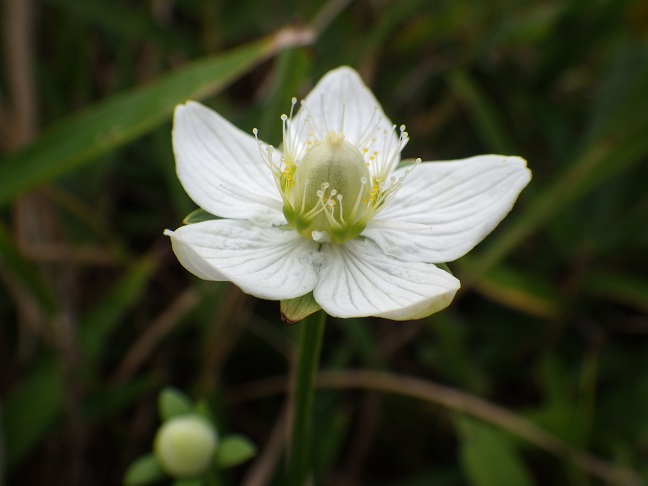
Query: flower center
[[330, 191], [331, 188]]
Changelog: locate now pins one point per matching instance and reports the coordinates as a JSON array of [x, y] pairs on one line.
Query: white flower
[[332, 212]]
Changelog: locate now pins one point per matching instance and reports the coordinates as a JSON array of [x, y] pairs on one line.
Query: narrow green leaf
[[126, 21], [291, 68], [97, 324], [617, 286], [145, 470], [601, 161], [488, 456], [32, 409], [234, 450], [517, 290], [294, 310], [485, 116], [528, 23], [115, 121], [172, 402]]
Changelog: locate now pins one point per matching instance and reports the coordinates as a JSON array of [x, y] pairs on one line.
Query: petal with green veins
[[220, 167], [446, 208], [360, 280]]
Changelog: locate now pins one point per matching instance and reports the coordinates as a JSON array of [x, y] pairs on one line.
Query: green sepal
[[233, 450], [202, 409], [444, 266], [172, 403], [294, 310], [145, 470], [198, 216]]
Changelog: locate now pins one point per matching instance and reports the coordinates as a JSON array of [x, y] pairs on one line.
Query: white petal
[[218, 164], [445, 208], [358, 280], [342, 102], [266, 262]]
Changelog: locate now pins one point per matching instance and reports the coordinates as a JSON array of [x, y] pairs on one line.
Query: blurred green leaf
[[32, 409], [482, 111], [99, 321], [233, 450], [599, 162], [11, 258], [488, 456], [117, 120], [126, 21], [145, 470], [455, 361], [528, 22], [617, 286], [106, 401], [529, 293], [188, 482], [291, 70], [331, 434], [172, 402], [36, 403]]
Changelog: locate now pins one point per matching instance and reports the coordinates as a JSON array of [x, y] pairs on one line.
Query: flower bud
[[185, 446]]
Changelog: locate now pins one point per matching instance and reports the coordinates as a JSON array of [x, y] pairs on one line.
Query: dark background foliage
[[96, 314]]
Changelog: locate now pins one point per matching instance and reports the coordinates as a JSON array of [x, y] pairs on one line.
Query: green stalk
[[301, 448]]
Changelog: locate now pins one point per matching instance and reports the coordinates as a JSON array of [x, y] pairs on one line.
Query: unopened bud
[[185, 446]]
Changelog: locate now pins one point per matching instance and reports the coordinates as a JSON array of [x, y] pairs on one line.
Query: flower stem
[[310, 345]]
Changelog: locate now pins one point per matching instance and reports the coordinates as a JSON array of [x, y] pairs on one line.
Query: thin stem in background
[[456, 401], [308, 353]]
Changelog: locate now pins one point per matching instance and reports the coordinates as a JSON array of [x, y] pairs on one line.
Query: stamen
[[367, 135], [385, 196], [308, 118], [304, 190], [339, 198], [379, 149], [323, 112], [390, 155], [363, 181]]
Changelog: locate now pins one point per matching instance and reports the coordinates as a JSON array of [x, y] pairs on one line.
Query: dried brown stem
[[21, 117], [159, 328], [456, 401], [262, 468]]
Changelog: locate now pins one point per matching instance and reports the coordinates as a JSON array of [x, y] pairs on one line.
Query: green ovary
[[330, 169]]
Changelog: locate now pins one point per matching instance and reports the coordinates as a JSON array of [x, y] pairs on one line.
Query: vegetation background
[[543, 357]]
